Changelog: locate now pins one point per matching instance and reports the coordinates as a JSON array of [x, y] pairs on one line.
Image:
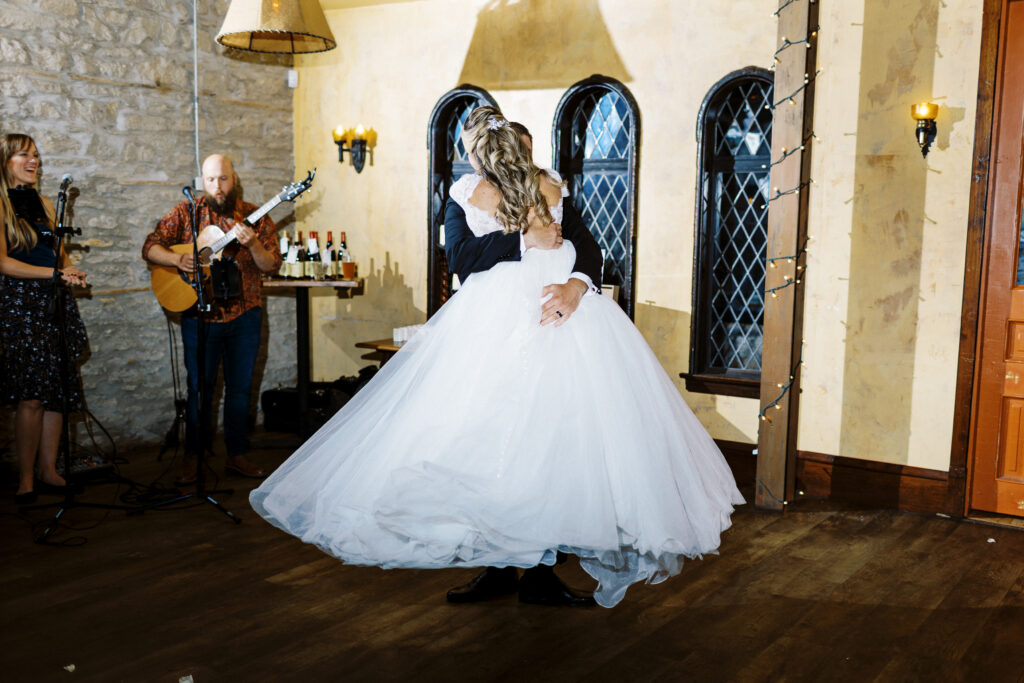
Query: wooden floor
[[816, 594]]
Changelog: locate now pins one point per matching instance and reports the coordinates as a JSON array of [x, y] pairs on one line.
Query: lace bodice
[[481, 222]]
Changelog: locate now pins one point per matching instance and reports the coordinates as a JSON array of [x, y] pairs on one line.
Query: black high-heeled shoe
[[26, 498]]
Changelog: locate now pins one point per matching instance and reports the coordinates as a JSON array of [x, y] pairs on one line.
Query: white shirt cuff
[[585, 279]]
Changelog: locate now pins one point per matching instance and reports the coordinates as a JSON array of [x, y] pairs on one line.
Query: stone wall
[[105, 88]]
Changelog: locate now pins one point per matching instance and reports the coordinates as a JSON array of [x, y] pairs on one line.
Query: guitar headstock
[[290, 192]]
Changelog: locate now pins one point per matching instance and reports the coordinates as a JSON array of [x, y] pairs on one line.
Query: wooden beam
[[787, 233], [956, 496]]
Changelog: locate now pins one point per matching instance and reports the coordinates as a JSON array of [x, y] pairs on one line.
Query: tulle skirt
[[489, 440]]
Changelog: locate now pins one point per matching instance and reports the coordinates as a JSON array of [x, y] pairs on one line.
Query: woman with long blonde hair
[[30, 353], [493, 440]]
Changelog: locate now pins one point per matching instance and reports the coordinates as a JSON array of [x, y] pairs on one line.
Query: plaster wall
[[885, 269], [395, 60]]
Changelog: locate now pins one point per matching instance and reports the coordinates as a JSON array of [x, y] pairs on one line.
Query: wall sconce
[[358, 140], [925, 113]]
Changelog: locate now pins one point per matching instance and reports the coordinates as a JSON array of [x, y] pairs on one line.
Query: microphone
[[65, 180], [187, 191]]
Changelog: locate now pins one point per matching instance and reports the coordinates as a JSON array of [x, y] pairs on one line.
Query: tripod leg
[[234, 518]]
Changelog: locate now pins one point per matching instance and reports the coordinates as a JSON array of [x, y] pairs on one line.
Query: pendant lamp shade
[[282, 26]]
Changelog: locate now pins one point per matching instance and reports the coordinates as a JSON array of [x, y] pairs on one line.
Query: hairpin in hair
[[494, 123]]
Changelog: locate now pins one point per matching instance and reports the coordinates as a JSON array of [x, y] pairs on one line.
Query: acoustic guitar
[[174, 289]]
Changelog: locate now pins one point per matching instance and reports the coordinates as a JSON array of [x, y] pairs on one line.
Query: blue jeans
[[236, 343]]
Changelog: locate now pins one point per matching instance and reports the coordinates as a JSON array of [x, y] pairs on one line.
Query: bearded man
[[234, 321]]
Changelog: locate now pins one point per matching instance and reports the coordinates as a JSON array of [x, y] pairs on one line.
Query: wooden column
[[787, 232]]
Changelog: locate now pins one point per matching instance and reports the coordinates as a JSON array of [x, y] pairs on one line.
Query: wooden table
[[386, 347], [302, 288]]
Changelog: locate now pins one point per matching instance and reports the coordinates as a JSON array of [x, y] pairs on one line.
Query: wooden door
[[997, 473]]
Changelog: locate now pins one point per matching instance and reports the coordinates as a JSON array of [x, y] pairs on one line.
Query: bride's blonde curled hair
[[505, 163]]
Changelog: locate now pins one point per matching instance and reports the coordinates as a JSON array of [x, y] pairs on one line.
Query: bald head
[[219, 181]]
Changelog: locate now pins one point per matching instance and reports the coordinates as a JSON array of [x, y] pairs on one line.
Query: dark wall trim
[[438, 183], [561, 129], [697, 380], [848, 480], [722, 384], [956, 495], [876, 484]]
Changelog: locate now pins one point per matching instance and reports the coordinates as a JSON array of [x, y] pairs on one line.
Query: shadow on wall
[[667, 331], [384, 303], [886, 235], [537, 44]]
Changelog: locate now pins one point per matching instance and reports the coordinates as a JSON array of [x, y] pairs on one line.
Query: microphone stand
[[57, 314], [201, 493]]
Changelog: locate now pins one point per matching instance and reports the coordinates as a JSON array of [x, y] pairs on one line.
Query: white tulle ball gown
[[489, 440]]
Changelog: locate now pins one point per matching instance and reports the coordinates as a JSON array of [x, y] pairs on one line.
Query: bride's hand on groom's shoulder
[[543, 236]]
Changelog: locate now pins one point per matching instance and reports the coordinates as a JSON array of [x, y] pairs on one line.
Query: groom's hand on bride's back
[[543, 236], [559, 302]]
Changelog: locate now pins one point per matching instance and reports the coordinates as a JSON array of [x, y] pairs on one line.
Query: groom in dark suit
[[468, 254]]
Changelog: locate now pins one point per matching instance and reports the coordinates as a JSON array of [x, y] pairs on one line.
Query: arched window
[[734, 136], [448, 162], [596, 135]]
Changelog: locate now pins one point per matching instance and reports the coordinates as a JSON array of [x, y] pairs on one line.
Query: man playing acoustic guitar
[[233, 333]]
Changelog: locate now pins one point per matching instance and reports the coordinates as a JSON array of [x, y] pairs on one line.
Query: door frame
[[957, 498]]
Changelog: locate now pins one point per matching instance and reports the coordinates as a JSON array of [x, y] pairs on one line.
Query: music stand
[[56, 308], [201, 493]]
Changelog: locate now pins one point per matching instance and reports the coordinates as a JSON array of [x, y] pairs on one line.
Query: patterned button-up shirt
[[174, 228]]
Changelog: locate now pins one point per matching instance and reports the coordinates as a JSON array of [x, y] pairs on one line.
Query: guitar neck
[[251, 219]]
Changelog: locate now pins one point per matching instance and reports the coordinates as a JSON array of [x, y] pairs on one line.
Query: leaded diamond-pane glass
[[743, 126], [601, 126], [1020, 248], [457, 150], [602, 199], [737, 271], [735, 193]]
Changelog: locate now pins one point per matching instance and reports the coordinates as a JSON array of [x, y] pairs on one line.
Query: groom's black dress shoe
[[540, 586], [492, 582]]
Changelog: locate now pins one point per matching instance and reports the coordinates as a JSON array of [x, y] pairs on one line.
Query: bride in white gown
[[490, 440]]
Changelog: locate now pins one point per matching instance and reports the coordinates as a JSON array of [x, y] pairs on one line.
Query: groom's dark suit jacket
[[468, 254]]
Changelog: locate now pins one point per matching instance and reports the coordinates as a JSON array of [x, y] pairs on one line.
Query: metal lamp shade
[[282, 26]]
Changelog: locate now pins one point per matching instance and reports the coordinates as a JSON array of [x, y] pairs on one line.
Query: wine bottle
[[283, 245], [291, 261], [348, 266], [328, 257], [300, 269], [314, 266]]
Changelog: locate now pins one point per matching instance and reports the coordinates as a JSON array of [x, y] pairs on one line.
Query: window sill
[[722, 384]]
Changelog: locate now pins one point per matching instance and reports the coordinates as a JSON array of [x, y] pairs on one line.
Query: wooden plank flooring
[[815, 594]]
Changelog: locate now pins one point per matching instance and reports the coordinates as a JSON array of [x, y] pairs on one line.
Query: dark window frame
[[561, 153], [703, 378], [440, 176]]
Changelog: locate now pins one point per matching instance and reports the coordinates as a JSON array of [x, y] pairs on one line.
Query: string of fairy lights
[[796, 277]]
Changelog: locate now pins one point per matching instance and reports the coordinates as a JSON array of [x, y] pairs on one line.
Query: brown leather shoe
[[187, 475], [242, 467]]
